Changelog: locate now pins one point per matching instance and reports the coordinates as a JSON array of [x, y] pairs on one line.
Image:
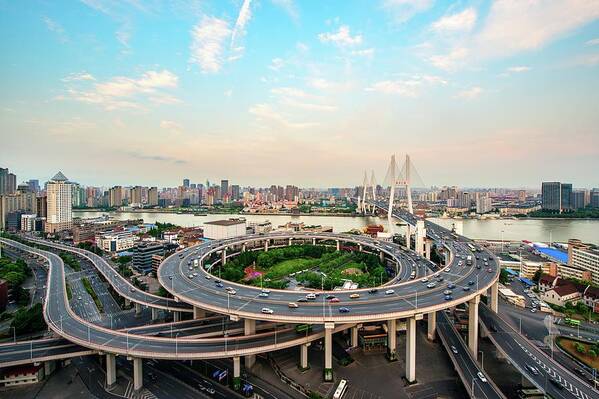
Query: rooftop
[[59, 177], [229, 222]]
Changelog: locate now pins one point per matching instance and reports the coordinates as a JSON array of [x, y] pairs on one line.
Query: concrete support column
[[138, 375], [382, 257], [138, 309], [328, 351], [338, 245], [360, 247], [392, 340], [224, 257], [427, 249], [473, 325], [432, 326], [266, 246], [314, 241], [411, 350], [176, 316], [494, 297], [420, 237], [354, 337], [243, 247], [304, 357], [249, 328], [155, 313], [49, 367], [110, 369], [127, 303], [198, 313], [236, 373], [289, 241], [408, 235]]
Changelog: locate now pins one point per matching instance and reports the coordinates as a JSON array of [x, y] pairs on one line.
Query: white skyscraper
[[59, 199]]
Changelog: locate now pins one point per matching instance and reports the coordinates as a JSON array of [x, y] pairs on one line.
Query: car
[[343, 310], [267, 311], [302, 300], [556, 383], [447, 292], [190, 275], [533, 310], [292, 305], [451, 286], [373, 291], [219, 284], [207, 277], [478, 266], [79, 298], [440, 279], [470, 282], [354, 296], [466, 288], [389, 292], [431, 285], [232, 292], [217, 281], [195, 274], [263, 295], [330, 297], [454, 349], [481, 376], [490, 270], [311, 296], [265, 291], [532, 369], [424, 280], [132, 289], [334, 300], [448, 270], [448, 297]]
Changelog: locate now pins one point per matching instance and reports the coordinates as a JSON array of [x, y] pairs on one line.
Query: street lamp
[[482, 360], [472, 389], [176, 345]]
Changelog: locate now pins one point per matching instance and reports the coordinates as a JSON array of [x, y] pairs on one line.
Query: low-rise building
[[222, 229], [21, 375], [562, 294], [142, 256], [116, 241]]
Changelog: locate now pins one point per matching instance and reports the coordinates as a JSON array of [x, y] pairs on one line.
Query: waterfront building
[[579, 199], [483, 205], [60, 206], [551, 193], [222, 229], [584, 256], [115, 196], [153, 196], [224, 189]]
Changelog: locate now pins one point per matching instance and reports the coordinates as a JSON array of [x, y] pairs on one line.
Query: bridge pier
[[137, 309], [303, 365], [328, 351], [266, 246], [427, 248], [154, 314], [176, 316], [110, 369], [432, 326], [249, 328], [392, 340], [127, 302], [243, 247], [382, 257], [198, 313], [420, 237], [224, 257], [473, 325], [236, 373], [411, 350], [494, 297], [338, 245], [408, 236], [354, 337], [289, 241], [138, 375], [313, 241]]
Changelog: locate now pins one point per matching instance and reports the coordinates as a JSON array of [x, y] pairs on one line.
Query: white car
[[424, 280], [389, 292], [263, 295], [454, 349], [481, 376], [293, 305], [311, 296], [190, 276], [265, 291], [267, 310]]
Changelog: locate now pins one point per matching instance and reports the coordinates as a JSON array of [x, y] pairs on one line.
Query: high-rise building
[[59, 199], [551, 193], [115, 196], [291, 193], [8, 182], [136, 196], [235, 192], [578, 199], [153, 196], [566, 192], [77, 195], [42, 206], [594, 200], [34, 185], [186, 183], [483, 205], [224, 188]]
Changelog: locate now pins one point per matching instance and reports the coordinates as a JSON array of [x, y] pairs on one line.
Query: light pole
[[501, 240], [176, 345], [472, 389], [14, 329], [482, 360]]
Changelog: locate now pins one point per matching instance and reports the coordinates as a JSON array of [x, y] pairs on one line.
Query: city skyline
[[282, 91]]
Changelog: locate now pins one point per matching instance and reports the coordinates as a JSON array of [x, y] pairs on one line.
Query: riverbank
[[166, 211]]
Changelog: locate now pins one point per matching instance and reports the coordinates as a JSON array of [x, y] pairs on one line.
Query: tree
[[537, 275]]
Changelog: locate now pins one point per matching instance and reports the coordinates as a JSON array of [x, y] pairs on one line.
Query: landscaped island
[[312, 266]]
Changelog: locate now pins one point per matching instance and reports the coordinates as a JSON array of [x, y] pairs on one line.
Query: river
[[522, 229]]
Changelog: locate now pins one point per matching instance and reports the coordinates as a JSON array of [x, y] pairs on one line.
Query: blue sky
[[479, 93]]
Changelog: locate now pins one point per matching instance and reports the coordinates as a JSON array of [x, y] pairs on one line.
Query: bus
[[340, 391], [472, 247], [572, 322]]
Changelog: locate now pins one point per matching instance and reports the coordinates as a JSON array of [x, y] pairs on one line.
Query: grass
[[69, 291], [92, 293], [569, 345]]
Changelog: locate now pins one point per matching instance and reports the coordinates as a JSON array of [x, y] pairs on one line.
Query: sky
[[480, 93]]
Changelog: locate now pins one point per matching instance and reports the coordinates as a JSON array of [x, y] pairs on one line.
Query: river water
[[521, 229]]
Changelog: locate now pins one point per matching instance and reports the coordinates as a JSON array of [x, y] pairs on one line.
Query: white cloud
[[518, 69], [276, 64], [242, 19], [228, 93], [470, 94], [303, 47], [78, 76], [207, 45], [341, 38], [57, 28], [410, 87], [452, 60], [368, 53], [328, 85], [265, 113], [593, 42], [294, 97], [289, 7], [462, 21], [171, 126], [125, 92], [403, 10]]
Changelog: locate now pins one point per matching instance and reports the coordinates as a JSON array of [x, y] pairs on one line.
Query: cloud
[[57, 28], [368, 53], [341, 38], [470, 94], [125, 92], [297, 98], [456, 57], [265, 113], [328, 85], [403, 10], [207, 44], [462, 21], [159, 158], [276, 64], [289, 7], [518, 69], [593, 42], [410, 87], [171, 126], [242, 19], [78, 76], [228, 93]]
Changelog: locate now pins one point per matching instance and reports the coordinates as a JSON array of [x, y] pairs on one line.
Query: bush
[[592, 353], [29, 320]]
